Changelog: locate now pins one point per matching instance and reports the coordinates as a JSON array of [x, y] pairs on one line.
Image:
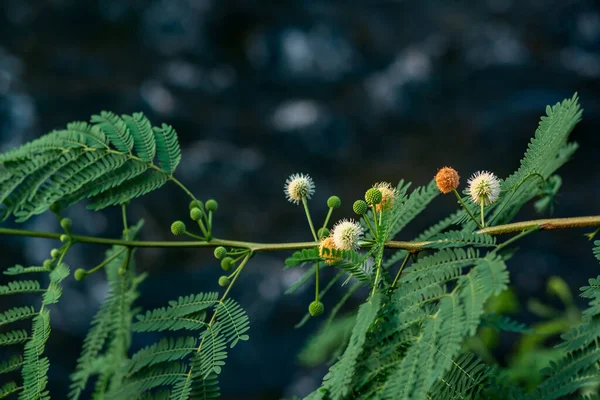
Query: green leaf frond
[[108, 339], [338, 380], [15, 287], [167, 349], [502, 323], [178, 315], [110, 161], [460, 239], [233, 321], [8, 389]]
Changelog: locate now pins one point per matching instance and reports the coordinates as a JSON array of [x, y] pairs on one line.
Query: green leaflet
[[110, 162]]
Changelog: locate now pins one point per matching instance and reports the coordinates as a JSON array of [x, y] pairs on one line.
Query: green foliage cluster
[[418, 334]]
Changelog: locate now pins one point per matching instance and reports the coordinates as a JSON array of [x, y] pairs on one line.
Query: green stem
[[462, 203], [194, 236], [401, 269], [544, 224], [376, 222], [377, 276], [182, 186], [506, 202], [517, 237], [370, 226], [326, 221], [317, 282], [482, 214], [310, 223], [125, 226], [109, 259]]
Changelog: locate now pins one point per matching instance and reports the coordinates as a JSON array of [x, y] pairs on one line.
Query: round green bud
[[223, 281], [316, 308], [122, 272], [64, 238], [195, 214], [66, 223], [323, 232], [196, 204], [54, 253], [373, 196], [212, 205], [55, 208], [48, 264], [80, 274], [178, 228], [226, 263], [220, 252], [334, 202], [360, 207]]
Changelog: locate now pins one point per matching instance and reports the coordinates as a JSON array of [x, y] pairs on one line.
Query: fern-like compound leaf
[[106, 161], [178, 315], [15, 287], [338, 381], [141, 133], [168, 151], [167, 349], [16, 314], [233, 321], [13, 337], [115, 129], [13, 363], [8, 389]]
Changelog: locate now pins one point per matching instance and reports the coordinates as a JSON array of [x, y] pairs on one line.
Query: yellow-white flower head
[[346, 234], [388, 195], [484, 186], [299, 186]]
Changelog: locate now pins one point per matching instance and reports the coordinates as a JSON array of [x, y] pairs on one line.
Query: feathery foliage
[[110, 161]]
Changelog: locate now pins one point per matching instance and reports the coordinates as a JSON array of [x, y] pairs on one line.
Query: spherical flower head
[[80, 274], [226, 263], [298, 187], [66, 223], [178, 228], [346, 235], [195, 214], [220, 252], [447, 179], [223, 281], [360, 207], [326, 250], [373, 196], [196, 204], [484, 186], [316, 308], [211, 205], [55, 253], [388, 194], [334, 202]]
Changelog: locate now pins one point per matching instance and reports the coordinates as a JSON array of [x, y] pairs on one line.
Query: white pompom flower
[[346, 234], [299, 186], [484, 187]]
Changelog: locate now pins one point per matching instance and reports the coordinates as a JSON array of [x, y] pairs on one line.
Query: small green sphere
[[334, 202], [48, 264], [323, 232], [220, 252], [178, 228], [55, 208], [212, 205], [360, 207], [80, 274], [226, 263], [196, 204], [55, 253], [122, 272], [66, 223], [64, 238], [223, 281], [316, 308], [373, 196], [195, 214]]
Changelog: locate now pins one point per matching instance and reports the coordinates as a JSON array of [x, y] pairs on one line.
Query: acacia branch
[[517, 227]]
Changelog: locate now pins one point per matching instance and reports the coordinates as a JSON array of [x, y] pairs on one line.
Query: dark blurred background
[[350, 92]]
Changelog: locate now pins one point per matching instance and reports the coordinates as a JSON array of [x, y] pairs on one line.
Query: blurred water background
[[350, 92]]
